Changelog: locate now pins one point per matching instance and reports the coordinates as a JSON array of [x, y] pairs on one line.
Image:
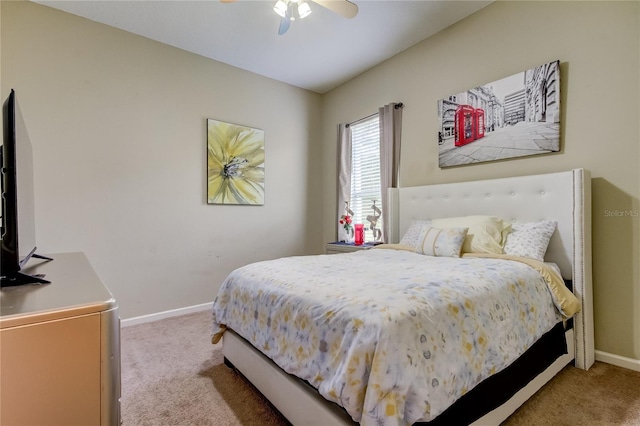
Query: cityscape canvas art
[[515, 116], [235, 164]]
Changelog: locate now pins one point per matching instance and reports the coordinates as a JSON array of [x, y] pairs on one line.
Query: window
[[365, 172], [362, 147]]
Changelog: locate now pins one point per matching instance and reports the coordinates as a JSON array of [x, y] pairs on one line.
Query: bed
[[399, 368]]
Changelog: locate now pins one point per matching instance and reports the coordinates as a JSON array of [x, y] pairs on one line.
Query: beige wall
[[118, 128], [598, 45]]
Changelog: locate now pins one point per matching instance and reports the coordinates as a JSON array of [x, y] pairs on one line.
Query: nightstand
[[338, 247]]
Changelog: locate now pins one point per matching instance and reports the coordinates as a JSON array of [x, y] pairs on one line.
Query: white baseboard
[[620, 361], [166, 314]]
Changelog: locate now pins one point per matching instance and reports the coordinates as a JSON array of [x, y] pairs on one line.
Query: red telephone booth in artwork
[[469, 124], [464, 125], [478, 131]]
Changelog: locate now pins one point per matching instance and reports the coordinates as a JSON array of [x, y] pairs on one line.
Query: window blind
[[365, 171]]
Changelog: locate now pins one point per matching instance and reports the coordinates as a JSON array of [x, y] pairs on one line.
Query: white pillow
[[487, 234], [530, 239], [411, 237], [445, 242]]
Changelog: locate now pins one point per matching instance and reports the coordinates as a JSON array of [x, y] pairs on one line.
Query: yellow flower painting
[[235, 164]]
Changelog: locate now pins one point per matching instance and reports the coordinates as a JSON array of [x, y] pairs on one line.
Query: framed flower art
[[235, 164]]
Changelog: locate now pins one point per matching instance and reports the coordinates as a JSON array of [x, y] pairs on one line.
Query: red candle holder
[[359, 234]]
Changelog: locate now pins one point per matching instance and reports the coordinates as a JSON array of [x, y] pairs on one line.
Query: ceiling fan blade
[[285, 23], [341, 7]]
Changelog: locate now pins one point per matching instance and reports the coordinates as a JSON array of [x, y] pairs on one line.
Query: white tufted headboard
[[564, 197]]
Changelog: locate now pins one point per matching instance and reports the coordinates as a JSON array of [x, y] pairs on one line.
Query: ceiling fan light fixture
[[291, 10], [303, 9], [281, 8]]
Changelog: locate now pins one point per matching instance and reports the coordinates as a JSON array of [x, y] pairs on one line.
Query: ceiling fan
[[289, 10]]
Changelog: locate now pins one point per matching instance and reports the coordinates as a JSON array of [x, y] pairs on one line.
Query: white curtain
[[344, 172], [390, 135]]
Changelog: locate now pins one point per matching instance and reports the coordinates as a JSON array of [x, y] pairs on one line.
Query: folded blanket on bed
[[566, 302]]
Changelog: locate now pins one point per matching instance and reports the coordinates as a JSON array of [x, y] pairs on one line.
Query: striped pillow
[[442, 242]]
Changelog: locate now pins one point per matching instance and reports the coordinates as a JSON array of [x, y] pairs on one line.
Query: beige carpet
[[172, 375]]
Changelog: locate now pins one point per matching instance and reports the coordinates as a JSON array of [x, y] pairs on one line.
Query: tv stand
[[39, 256], [60, 348], [20, 278]]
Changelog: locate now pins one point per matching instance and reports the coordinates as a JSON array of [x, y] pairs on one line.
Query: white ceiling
[[317, 53]]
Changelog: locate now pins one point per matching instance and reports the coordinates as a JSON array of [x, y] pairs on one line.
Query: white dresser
[[60, 348]]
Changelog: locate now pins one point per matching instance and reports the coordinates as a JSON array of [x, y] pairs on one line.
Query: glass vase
[[347, 235]]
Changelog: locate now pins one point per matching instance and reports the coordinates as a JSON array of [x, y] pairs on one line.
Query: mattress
[[392, 336]]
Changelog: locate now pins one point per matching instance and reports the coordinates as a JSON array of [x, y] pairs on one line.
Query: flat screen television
[[18, 212]]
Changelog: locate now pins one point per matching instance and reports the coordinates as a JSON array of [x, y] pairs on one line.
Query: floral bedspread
[[392, 336]]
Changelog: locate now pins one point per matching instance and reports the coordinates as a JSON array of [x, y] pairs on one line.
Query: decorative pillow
[[486, 234], [410, 238], [530, 240], [445, 242]]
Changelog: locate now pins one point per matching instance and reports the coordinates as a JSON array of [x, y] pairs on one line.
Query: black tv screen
[[18, 208]]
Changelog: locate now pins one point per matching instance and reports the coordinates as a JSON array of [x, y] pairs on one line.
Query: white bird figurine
[[373, 221], [347, 209]]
